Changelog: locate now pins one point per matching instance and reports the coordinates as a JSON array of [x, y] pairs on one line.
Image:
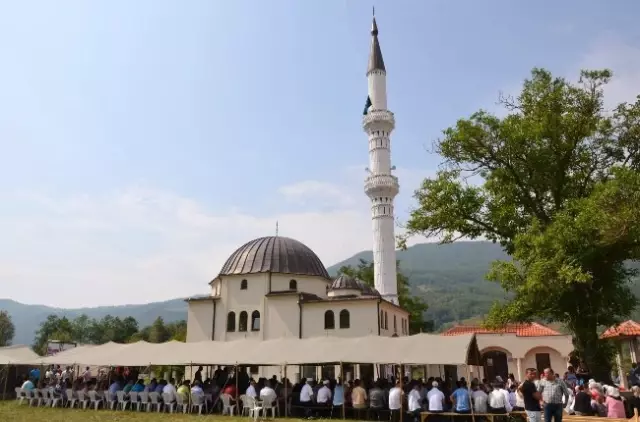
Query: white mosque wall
[[282, 317], [199, 320], [393, 313], [363, 319]]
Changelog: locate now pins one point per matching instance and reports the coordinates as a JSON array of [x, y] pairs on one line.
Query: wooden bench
[[489, 416], [576, 418]]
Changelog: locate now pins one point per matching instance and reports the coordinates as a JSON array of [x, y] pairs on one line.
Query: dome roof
[[345, 282], [274, 254]]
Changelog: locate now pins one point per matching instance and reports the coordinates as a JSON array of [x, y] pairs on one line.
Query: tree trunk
[[596, 353]]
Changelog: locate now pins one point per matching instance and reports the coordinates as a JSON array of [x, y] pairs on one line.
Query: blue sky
[[142, 141]]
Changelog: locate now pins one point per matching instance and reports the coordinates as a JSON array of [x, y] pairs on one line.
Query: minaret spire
[[381, 186], [375, 53]]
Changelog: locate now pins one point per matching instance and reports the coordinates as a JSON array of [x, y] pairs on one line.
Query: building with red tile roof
[[514, 348], [628, 328], [520, 330]]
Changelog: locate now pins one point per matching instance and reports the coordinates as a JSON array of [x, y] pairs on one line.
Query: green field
[[11, 412]]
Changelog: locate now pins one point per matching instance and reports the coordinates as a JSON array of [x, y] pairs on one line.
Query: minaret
[[380, 186]]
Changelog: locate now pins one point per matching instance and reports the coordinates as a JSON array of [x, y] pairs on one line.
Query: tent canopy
[[418, 349], [15, 354]]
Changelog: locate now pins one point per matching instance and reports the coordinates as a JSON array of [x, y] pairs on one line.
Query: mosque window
[[386, 322], [344, 319], [293, 285], [329, 320], [395, 324], [382, 319], [243, 285], [255, 321], [242, 321], [231, 322]]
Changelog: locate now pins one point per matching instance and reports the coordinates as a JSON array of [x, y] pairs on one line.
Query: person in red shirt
[[230, 389]]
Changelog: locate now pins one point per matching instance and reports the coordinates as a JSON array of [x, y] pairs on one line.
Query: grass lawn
[[11, 412]]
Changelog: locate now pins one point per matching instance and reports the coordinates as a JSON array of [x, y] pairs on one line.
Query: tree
[[555, 183], [158, 333], [7, 329], [53, 328], [414, 305]]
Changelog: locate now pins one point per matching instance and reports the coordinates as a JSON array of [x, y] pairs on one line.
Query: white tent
[[17, 353], [415, 350]]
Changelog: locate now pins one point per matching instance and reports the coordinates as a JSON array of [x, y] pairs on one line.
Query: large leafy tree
[[7, 329], [413, 304], [556, 183]]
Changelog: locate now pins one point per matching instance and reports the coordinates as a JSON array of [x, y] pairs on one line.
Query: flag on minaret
[[366, 106]]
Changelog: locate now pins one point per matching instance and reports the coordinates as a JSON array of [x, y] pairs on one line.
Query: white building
[[274, 287]]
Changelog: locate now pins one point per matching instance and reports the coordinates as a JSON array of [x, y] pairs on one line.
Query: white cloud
[[140, 245], [612, 52]]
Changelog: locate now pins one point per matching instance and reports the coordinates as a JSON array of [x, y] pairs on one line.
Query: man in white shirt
[[324, 394], [306, 396], [170, 391], [86, 375], [395, 401], [435, 398], [251, 391], [498, 402], [268, 394], [479, 399], [415, 396]]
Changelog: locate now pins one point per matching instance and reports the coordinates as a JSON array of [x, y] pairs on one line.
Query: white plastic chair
[[168, 402], [180, 403], [20, 395], [246, 409], [43, 397], [122, 400], [254, 407], [94, 400], [133, 398], [267, 404], [144, 401], [53, 399], [82, 399], [110, 400], [71, 398], [227, 407], [31, 397], [198, 401], [154, 403]]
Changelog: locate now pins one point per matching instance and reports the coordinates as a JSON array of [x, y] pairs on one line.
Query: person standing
[[531, 396], [554, 392]]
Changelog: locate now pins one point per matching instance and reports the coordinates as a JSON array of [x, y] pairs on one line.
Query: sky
[[142, 142]]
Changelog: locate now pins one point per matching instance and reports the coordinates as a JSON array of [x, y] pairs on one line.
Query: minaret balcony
[[385, 185], [375, 118]]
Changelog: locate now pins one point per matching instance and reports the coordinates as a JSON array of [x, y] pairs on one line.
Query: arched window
[[231, 321], [395, 324], [329, 320], [344, 319], [243, 285], [242, 321], [382, 319], [386, 322], [255, 321], [293, 285]]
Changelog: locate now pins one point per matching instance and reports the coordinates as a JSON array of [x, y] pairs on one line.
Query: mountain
[[27, 318], [451, 279]]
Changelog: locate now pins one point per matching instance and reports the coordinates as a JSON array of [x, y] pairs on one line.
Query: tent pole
[[401, 392], [286, 398], [6, 379], [473, 416], [237, 395], [192, 380], [344, 410]]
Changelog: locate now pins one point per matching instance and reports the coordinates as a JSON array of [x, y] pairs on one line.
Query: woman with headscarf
[[614, 403]]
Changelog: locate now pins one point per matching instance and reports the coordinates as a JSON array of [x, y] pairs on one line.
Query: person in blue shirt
[[460, 398], [35, 375], [138, 387]]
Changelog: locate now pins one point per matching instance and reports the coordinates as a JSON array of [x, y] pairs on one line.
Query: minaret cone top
[[375, 54]]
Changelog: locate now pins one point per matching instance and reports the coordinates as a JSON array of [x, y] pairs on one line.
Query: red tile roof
[[520, 330], [628, 328]]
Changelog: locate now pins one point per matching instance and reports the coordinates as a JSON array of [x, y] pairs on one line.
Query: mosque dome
[[274, 254], [345, 284]]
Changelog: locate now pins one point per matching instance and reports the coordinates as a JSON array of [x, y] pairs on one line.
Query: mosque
[[274, 287]]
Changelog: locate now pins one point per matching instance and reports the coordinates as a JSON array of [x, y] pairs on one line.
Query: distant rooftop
[[520, 330], [628, 328]]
